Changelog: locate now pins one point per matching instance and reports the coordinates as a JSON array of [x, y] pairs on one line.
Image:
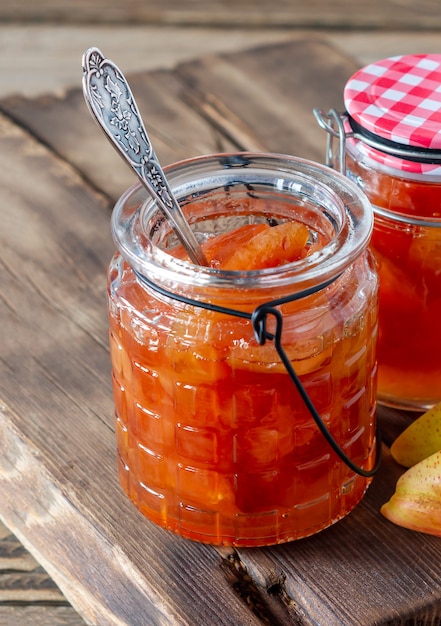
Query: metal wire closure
[[258, 320], [335, 124]]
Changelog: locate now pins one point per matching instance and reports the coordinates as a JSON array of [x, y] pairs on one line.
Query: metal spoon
[[112, 104]]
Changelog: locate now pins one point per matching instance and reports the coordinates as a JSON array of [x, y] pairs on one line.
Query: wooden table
[[58, 486]]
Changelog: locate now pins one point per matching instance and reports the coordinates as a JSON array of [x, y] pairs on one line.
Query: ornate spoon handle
[[112, 104]]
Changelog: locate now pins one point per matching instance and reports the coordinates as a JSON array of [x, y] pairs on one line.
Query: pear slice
[[416, 503], [421, 439]]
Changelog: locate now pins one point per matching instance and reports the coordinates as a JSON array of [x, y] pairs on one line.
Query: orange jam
[[214, 440], [406, 242], [390, 141]]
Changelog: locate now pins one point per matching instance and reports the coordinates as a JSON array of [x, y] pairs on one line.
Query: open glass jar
[[388, 141], [215, 440]]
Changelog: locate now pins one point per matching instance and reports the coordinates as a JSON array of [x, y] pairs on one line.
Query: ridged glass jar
[[389, 144], [406, 242], [215, 442]]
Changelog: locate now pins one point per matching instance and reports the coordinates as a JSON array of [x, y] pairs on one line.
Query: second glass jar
[[389, 144]]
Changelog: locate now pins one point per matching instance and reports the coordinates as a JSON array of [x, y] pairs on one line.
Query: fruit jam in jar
[[215, 441], [390, 145]]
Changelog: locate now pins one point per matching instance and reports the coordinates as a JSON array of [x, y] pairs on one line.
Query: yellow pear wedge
[[416, 503], [421, 439]]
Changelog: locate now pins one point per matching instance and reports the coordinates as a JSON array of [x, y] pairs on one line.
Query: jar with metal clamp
[[245, 398], [388, 141]]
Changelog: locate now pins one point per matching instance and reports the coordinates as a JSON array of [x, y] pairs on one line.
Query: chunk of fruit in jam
[[258, 246], [215, 443]]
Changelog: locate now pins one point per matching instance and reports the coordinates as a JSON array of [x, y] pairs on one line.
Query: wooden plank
[[317, 13], [4, 532], [64, 123], [47, 56], [257, 99], [273, 90], [31, 587], [13, 556], [27, 593], [363, 571], [56, 423], [39, 616]]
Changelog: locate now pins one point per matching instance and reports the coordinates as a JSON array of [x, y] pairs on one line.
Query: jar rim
[[295, 176]]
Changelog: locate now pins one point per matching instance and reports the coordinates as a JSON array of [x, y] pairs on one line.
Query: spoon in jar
[[113, 106]]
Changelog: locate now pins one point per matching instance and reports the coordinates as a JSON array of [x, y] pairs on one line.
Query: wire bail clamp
[[258, 319], [333, 123]]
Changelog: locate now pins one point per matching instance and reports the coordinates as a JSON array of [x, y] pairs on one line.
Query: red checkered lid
[[399, 100]]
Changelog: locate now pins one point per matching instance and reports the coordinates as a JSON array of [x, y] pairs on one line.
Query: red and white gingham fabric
[[399, 99]]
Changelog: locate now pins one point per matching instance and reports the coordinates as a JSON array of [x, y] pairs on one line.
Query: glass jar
[[215, 441], [390, 146]]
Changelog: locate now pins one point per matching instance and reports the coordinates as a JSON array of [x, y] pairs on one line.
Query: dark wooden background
[[391, 14]]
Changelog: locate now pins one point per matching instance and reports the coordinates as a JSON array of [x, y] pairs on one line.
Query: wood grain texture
[[30, 587], [13, 556], [339, 576], [283, 13], [253, 100], [273, 90], [46, 56], [56, 423], [64, 123], [38, 615], [27, 594]]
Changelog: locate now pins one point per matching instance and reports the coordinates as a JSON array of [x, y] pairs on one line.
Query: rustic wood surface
[[37, 58], [58, 487], [316, 13], [27, 594]]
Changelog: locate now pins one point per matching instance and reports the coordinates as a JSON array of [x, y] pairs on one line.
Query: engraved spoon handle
[[113, 106]]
